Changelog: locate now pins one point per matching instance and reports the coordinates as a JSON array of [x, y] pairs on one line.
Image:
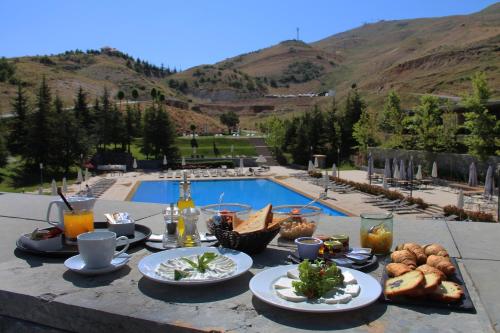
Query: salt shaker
[[171, 215]]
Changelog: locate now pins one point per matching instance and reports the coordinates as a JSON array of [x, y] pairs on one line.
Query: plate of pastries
[[424, 275]]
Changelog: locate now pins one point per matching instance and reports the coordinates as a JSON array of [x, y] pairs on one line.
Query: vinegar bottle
[[185, 201]]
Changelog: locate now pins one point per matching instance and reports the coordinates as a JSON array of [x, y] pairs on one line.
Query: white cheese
[[352, 289], [338, 298], [283, 283], [290, 295], [348, 278], [293, 274]]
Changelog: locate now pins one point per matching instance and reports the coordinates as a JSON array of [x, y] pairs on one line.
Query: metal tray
[[369, 265], [141, 233], [464, 304]]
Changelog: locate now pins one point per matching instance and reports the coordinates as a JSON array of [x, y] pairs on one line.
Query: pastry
[[416, 249], [426, 269], [442, 263], [397, 269], [447, 292], [435, 249], [405, 257], [404, 284]]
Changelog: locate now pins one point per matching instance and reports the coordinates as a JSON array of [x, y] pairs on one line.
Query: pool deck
[[39, 295]]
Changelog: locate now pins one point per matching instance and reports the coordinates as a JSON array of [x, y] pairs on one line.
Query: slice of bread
[[432, 282], [426, 269], [404, 284], [447, 292], [276, 222], [256, 222]]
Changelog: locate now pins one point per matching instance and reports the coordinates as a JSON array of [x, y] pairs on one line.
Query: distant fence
[[450, 166], [158, 164]]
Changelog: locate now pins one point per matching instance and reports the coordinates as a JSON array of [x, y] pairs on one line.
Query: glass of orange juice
[[77, 222]]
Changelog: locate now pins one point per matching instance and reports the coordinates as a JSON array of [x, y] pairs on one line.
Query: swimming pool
[[254, 192]]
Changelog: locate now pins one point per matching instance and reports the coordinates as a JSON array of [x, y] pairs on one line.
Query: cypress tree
[[19, 134], [40, 130], [82, 111], [3, 147]]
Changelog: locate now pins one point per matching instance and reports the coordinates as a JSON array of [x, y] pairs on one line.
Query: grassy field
[[205, 146], [12, 178]]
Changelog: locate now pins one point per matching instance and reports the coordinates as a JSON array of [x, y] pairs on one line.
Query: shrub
[[467, 214]]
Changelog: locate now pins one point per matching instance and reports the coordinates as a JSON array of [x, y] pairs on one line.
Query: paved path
[[262, 149], [42, 296]]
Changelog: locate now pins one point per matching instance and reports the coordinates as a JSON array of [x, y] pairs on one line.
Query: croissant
[[442, 263], [426, 269], [435, 249], [404, 257], [397, 269], [417, 250]]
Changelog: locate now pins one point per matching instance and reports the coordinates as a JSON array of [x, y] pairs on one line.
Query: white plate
[[147, 265], [261, 286], [77, 265]]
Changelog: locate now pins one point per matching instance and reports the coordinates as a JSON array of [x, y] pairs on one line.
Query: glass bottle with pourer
[[185, 201]]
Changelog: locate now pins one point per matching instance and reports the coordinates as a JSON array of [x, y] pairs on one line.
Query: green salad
[[316, 279]]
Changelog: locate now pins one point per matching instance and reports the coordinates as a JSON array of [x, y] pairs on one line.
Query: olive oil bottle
[[185, 201]]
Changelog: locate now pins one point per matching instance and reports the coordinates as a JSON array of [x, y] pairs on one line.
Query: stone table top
[[41, 291]]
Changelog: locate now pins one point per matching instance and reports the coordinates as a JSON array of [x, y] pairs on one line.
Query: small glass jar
[[171, 217], [344, 239], [190, 237], [376, 232]]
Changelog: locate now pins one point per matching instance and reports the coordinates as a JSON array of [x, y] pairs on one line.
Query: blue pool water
[[254, 192]]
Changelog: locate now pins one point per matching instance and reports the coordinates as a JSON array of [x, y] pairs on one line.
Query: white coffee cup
[[97, 248]]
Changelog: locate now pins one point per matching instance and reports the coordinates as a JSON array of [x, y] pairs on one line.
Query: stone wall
[[450, 166]]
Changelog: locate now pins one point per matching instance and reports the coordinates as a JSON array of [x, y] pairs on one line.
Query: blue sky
[[186, 33]]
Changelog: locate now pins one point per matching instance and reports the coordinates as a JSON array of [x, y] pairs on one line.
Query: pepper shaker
[[171, 216]]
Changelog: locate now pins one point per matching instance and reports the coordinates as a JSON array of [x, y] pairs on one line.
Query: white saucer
[[77, 265]]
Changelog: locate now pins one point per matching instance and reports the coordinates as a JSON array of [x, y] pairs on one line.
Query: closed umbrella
[[460, 199], [488, 182], [79, 178], [183, 161], [418, 176], [409, 174], [64, 185], [232, 150], [261, 159], [369, 172], [316, 162], [387, 169], [326, 180], [242, 165], [164, 160], [53, 190], [396, 174], [402, 171], [394, 167], [134, 165], [434, 172], [310, 166], [334, 170], [472, 175]]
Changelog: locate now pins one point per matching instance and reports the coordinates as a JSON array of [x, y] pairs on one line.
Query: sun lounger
[[374, 199]]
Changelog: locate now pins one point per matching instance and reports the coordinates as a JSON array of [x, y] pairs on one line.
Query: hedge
[[467, 214]]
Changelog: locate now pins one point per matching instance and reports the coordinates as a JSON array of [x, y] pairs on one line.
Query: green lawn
[[205, 146], [12, 178]]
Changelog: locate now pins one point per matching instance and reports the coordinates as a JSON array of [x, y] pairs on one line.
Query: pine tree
[[19, 135], [332, 130], [484, 129], [364, 131], [426, 123], [70, 140], [164, 143], [103, 120], [148, 136], [392, 115], [129, 126], [352, 112], [82, 111], [3, 147], [40, 130]]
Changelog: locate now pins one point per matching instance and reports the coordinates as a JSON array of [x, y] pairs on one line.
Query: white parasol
[[134, 165], [334, 170], [164, 160], [316, 163], [472, 175], [183, 161], [53, 187], [310, 166], [418, 176], [86, 175], [488, 182], [434, 173], [64, 185], [261, 159], [79, 178]]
